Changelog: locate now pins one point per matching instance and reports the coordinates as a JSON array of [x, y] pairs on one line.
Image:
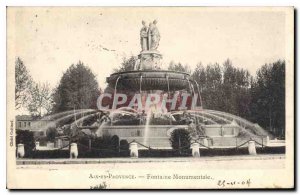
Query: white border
[[5, 3]]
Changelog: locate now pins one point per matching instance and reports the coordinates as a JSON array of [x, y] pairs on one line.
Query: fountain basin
[[149, 80], [158, 136]]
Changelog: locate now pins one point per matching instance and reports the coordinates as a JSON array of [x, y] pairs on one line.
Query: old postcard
[[150, 97]]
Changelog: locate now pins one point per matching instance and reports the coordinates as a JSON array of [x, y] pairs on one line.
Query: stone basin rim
[[150, 71]]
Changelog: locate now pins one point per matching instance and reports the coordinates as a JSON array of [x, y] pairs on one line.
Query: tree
[[78, 88], [127, 65], [225, 88], [180, 140], [236, 87], [23, 84], [40, 99], [210, 83], [268, 97], [179, 67], [260, 99]]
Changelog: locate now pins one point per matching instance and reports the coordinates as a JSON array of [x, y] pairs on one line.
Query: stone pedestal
[[267, 140], [195, 149], [59, 143], [149, 60], [73, 150], [134, 152], [50, 145], [37, 145], [20, 151], [251, 147], [205, 142]]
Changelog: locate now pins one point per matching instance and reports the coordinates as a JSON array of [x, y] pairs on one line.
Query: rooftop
[[24, 118]]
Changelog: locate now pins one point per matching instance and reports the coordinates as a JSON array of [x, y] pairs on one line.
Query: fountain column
[[195, 149], [251, 147], [73, 150], [20, 151], [134, 152]]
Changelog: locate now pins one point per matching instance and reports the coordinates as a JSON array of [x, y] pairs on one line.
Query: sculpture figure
[[144, 37], [149, 58], [149, 36], [153, 36]]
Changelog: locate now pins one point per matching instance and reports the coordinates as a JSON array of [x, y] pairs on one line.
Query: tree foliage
[[268, 97], [260, 99], [179, 67], [210, 83], [35, 97], [225, 88], [127, 64], [78, 88], [23, 84], [236, 89], [40, 99]]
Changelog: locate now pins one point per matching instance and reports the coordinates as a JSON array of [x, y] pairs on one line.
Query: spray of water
[[147, 124], [65, 116]]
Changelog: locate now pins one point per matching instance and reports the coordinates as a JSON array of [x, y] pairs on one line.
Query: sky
[[50, 39]]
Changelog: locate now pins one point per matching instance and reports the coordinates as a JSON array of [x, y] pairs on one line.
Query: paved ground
[[273, 161]]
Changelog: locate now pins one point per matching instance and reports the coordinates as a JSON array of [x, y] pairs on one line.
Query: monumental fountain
[[148, 103], [145, 105]]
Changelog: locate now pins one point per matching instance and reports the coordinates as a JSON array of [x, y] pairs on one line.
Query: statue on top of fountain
[[150, 37], [150, 57]]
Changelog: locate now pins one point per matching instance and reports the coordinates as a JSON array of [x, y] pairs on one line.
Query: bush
[[105, 146], [51, 154], [51, 133], [180, 140], [162, 153], [26, 137], [124, 148], [43, 140]]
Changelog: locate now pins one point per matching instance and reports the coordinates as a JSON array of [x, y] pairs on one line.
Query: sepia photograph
[[150, 97]]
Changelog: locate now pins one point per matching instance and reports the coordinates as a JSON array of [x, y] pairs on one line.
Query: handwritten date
[[224, 183]]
